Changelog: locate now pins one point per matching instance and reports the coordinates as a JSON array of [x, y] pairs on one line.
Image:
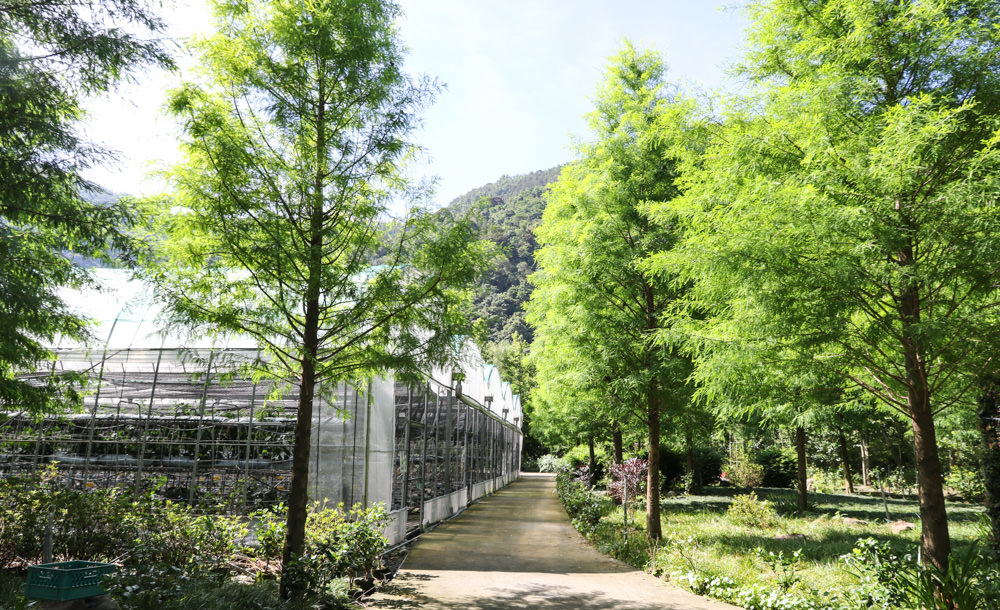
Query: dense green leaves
[[295, 140], [845, 213], [52, 54], [596, 308]]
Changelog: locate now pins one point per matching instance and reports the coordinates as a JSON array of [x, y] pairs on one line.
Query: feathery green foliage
[[847, 210], [595, 309], [52, 54], [295, 136]]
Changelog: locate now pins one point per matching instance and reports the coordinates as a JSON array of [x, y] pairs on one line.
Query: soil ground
[[517, 549]]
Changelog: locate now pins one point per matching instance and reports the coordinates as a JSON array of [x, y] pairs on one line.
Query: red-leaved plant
[[628, 480]]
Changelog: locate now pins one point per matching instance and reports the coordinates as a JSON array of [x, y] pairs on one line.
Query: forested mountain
[[507, 212]]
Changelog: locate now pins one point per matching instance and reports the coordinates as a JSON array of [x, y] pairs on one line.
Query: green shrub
[[889, 580], [95, 525], [169, 588], [164, 546], [672, 464], [583, 506], [347, 542], [780, 466], [827, 481], [708, 462], [744, 472], [178, 536], [11, 592], [967, 482], [748, 511]]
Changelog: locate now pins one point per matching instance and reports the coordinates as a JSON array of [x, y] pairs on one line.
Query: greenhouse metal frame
[[186, 423]]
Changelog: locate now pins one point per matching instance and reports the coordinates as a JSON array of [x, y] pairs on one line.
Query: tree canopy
[[847, 207], [52, 55], [595, 308]]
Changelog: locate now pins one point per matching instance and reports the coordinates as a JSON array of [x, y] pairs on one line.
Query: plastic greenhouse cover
[[126, 315]]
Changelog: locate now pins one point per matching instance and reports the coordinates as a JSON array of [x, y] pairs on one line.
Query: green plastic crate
[[66, 580]]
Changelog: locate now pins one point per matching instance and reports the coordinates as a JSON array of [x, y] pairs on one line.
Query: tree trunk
[[689, 461], [930, 489], [866, 467], [845, 459], [653, 531], [800, 451], [298, 495], [989, 420], [616, 442], [592, 464]]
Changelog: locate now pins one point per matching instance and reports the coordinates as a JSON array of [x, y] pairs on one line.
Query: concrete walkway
[[517, 549]]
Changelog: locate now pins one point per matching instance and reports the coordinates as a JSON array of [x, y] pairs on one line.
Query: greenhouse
[[180, 420]]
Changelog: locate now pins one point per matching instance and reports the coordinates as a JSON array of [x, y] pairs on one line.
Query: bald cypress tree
[[296, 133]]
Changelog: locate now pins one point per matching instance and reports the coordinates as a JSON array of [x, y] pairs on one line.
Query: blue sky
[[518, 77]]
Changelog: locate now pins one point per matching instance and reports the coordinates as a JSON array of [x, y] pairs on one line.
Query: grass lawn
[[700, 537]]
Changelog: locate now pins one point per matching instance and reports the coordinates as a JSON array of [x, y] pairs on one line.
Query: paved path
[[517, 549]]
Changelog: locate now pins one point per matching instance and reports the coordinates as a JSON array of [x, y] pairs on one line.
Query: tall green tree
[[848, 206], [52, 55], [591, 288], [295, 136]]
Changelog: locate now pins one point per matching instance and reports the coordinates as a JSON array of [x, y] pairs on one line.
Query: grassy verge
[[781, 558]]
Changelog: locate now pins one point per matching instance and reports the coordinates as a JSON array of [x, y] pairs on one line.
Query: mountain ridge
[[506, 212]]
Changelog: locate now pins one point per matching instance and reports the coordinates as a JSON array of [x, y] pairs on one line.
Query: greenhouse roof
[[126, 315]]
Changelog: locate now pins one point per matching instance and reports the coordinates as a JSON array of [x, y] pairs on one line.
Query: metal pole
[[423, 461], [447, 445], [466, 454], [404, 461], [192, 488], [343, 449], [145, 425], [354, 447], [368, 438], [246, 459]]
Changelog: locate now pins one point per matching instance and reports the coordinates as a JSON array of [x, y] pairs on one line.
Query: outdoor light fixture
[[505, 411], [517, 421], [488, 399]]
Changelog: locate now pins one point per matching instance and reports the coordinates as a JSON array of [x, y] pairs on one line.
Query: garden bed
[[789, 560]]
